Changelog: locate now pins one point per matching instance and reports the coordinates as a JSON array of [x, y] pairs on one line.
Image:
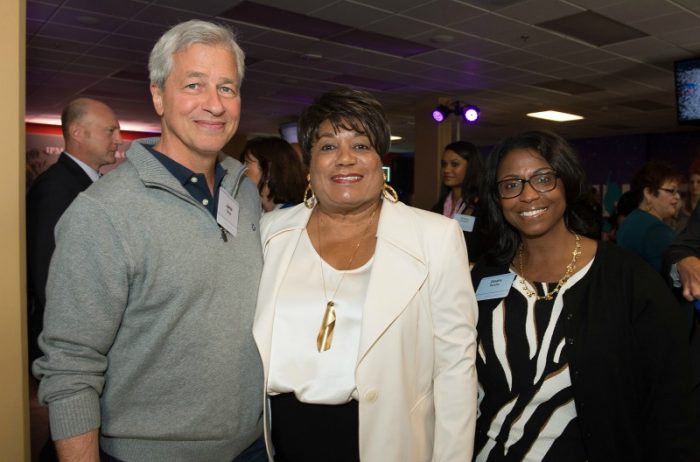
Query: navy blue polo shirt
[[194, 183]]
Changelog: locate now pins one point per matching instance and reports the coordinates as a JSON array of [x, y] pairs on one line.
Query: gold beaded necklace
[[569, 271]]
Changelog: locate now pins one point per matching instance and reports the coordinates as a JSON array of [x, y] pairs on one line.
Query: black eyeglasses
[[672, 192], [513, 187]]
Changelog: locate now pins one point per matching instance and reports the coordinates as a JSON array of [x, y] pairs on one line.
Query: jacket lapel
[[398, 271], [284, 234]]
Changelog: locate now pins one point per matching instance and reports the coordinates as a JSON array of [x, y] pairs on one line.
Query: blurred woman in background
[[461, 180], [275, 168], [645, 231]]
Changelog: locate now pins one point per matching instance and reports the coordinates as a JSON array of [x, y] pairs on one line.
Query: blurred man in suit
[[92, 137]]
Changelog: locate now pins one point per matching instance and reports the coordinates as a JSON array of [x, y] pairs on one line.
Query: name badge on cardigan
[[494, 286]]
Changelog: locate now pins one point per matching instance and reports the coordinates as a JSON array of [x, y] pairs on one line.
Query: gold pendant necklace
[[325, 333], [569, 271]]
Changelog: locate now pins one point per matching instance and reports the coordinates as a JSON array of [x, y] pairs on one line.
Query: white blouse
[[296, 365]]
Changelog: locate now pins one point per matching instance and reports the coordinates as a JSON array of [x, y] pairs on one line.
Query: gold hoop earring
[[309, 197], [390, 193]]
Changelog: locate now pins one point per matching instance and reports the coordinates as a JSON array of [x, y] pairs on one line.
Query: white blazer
[[415, 374]]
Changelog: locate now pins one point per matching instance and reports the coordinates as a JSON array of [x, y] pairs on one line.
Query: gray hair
[[184, 35]]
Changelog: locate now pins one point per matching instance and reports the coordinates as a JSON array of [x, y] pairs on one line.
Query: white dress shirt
[[91, 172]]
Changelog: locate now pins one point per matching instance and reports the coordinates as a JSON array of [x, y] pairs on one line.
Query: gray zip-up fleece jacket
[[149, 312]]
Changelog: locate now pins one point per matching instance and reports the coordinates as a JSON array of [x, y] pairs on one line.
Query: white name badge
[[466, 222], [227, 212], [494, 286]]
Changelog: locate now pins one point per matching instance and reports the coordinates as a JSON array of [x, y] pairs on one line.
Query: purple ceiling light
[[469, 113]]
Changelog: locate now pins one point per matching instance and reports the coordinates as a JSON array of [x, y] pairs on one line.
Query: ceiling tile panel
[[297, 6], [557, 47], [351, 14], [91, 20], [277, 18], [590, 55], [208, 7], [73, 33], [118, 8], [632, 11], [142, 30], [478, 48], [593, 28], [40, 11], [160, 15], [127, 42], [648, 49], [504, 31], [378, 42], [535, 11], [443, 12], [671, 22], [57, 44], [134, 56], [396, 26], [395, 6]]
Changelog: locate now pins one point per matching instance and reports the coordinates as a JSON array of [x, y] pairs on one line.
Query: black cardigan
[[627, 344]]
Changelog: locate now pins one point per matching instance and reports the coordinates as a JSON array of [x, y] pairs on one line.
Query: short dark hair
[[471, 184], [349, 109], [652, 175], [563, 159], [281, 169]]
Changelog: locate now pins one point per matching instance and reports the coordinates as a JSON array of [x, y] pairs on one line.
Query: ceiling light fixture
[[555, 116], [469, 113], [395, 137]]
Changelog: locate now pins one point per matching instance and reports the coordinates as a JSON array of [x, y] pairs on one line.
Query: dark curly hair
[[348, 109], [561, 156], [281, 169]]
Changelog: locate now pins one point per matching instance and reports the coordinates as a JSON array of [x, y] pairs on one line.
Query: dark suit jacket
[[49, 196]]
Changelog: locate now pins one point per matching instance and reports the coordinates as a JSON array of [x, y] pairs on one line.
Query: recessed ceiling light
[[312, 56], [395, 138], [555, 116]]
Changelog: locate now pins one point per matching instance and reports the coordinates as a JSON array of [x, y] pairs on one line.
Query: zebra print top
[[526, 400]]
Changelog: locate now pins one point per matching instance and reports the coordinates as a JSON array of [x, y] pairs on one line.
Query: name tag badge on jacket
[[466, 222], [494, 286], [227, 212]]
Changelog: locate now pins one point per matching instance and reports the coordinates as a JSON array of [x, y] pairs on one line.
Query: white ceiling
[[498, 58]]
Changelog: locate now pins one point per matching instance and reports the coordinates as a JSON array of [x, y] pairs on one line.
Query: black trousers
[[304, 432]]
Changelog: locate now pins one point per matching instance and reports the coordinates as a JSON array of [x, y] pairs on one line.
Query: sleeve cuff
[[75, 415]]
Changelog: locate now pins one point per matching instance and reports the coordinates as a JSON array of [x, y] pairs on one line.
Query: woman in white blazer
[[366, 314]]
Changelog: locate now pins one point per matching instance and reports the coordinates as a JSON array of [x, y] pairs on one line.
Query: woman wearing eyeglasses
[[644, 231], [583, 352]]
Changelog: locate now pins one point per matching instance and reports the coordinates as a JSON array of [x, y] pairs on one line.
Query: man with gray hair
[[148, 350]]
